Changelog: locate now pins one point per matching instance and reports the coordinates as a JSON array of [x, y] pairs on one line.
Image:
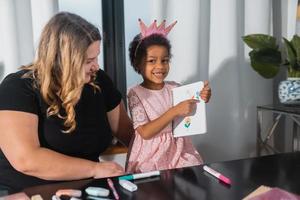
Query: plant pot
[[289, 91]]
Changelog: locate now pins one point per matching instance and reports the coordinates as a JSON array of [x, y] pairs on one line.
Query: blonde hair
[[58, 67]]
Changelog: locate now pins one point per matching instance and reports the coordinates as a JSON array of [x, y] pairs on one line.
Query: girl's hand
[[185, 108], [108, 169], [205, 92]]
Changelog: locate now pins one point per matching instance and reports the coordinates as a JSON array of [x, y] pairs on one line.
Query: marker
[[97, 191], [112, 187], [128, 185], [217, 174], [69, 192], [139, 176]]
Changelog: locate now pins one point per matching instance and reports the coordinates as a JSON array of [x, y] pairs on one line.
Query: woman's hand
[[108, 169], [205, 92], [185, 108]]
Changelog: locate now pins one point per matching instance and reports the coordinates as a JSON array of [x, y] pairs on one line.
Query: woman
[[59, 113]]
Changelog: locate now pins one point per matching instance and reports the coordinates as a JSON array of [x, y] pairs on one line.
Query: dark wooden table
[[281, 170]]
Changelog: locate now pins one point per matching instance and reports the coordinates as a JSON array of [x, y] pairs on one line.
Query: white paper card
[[196, 123]]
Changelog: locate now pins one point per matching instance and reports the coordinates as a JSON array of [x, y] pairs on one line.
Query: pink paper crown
[[154, 29]]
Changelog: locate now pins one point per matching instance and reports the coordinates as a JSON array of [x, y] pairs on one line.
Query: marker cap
[[128, 185], [126, 177]]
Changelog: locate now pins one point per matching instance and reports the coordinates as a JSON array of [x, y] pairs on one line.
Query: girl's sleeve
[[174, 84], [137, 110]]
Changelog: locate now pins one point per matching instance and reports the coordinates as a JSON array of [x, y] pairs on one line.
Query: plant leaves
[[260, 41], [290, 52], [296, 44], [266, 62], [297, 66]]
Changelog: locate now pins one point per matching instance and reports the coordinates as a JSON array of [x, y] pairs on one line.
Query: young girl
[[150, 105]]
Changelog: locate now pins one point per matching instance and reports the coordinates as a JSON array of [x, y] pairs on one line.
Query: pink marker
[[112, 187], [217, 174]]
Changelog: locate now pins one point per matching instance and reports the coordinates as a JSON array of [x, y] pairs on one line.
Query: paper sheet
[[196, 123]]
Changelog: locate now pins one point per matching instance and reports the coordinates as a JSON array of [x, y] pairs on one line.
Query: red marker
[[217, 174]]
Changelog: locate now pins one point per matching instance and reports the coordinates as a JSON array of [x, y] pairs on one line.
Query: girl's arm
[[152, 128], [120, 123], [20, 144]]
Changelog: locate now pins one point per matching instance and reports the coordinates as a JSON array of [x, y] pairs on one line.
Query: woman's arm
[[20, 144], [120, 123]]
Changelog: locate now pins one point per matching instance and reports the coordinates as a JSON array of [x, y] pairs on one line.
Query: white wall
[[41, 12], [133, 10], [21, 23], [15, 35], [91, 10], [289, 14]]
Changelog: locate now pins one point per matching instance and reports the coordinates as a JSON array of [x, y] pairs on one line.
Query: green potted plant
[[266, 59]]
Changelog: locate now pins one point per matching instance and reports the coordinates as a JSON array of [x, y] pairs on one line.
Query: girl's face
[[91, 65], [156, 67]]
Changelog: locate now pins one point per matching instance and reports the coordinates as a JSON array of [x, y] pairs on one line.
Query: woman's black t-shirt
[[91, 136]]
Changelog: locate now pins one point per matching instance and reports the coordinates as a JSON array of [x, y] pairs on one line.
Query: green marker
[[139, 176]]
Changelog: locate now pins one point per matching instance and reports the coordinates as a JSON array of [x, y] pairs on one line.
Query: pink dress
[[163, 151]]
